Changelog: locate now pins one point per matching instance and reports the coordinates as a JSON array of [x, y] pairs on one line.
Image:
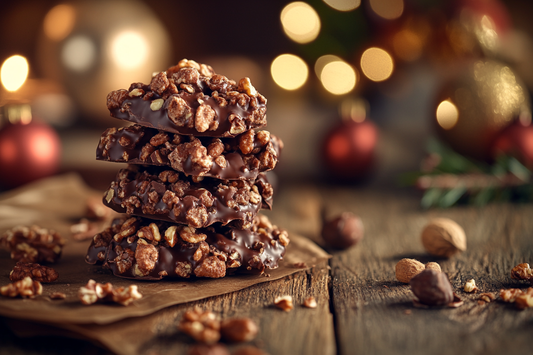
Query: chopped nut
[[522, 272], [33, 244], [156, 104], [202, 326], [406, 269], [238, 330], [245, 85], [433, 266], [136, 92], [93, 292], [189, 235], [524, 301], [57, 296], [35, 271], [443, 237], [170, 235], [284, 303], [109, 195], [211, 267], [486, 297], [470, 286], [25, 288], [310, 302], [509, 295]]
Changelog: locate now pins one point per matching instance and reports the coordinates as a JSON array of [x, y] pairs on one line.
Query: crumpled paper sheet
[[59, 202]]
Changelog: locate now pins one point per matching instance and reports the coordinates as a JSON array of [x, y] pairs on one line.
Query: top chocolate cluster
[[191, 99]]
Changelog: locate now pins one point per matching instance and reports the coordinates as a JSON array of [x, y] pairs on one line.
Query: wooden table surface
[[362, 309]]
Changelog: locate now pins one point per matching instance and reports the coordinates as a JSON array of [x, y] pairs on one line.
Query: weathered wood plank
[[374, 313]]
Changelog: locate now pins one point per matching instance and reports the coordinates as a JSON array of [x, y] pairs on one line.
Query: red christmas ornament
[[27, 152], [348, 149], [517, 141]]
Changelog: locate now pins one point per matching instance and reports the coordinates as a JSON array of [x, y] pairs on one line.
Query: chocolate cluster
[[195, 180]]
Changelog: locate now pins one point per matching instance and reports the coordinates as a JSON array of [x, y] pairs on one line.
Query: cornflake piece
[[284, 303], [470, 286], [93, 292], [202, 326], [310, 302], [25, 288], [34, 271]]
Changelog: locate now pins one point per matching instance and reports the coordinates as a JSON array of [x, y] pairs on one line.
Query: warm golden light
[[447, 114], [300, 22], [343, 5], [129, 50], [338, 77], [407, 45], [59, 22], [388, 9], [353, 109], [322, 61], [289, 71], [377, 64], [78, 53], [14, 72]]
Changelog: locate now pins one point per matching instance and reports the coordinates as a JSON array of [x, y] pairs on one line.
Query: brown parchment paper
[[60, 201]]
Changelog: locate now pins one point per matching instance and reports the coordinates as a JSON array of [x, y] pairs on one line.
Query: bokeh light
[[129, 50], [14, 72], [300, 22], [377, 64], [387, 9], [353, 109], [289, 71], [343, 5], [338, 77], [59, 22], [78, 53], [322, 61], [447, 114], [407, 45]]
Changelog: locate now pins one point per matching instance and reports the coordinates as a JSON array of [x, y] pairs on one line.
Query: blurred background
[[356, 88]]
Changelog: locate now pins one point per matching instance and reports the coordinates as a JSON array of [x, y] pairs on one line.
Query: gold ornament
[[473, 108]]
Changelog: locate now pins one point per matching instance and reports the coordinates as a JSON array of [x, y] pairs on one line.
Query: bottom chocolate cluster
[[136, 247]]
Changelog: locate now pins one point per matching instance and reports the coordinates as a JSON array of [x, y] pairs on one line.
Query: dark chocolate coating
[[238, 165], [258, 249], [140, 191], [137, 110]]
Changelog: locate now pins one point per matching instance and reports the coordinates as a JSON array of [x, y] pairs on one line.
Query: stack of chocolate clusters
[[195, 179]]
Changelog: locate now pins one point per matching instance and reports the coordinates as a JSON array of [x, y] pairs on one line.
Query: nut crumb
[[93, 292], [25, 288], [202, 326], [284, 303], [57, 296], [310, 302], [34, 271], [486, 297], [470, 286]]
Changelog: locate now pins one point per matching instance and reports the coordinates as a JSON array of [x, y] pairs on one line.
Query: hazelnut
[[433, 266], [343, 231], [432, 288], [443, 237], [406, 269]]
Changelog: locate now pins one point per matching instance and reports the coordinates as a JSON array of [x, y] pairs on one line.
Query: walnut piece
[[284, 303], [34, 271], [202, 326], [310, 302], [238, 330], [25, 288], [33, 244], [94, 292], [522, 272]]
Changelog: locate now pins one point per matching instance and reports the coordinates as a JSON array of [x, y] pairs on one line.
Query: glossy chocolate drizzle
[[224, 239], [131, 186], [139, 137], [137, 110]]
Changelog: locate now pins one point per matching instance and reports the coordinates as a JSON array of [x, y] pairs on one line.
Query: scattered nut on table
[[432, 288], [33, 244], [521, 299], [94, 292], [284, 303], [25, 288], [34, 271], [202, 326], [433, 266], [310, 302], [238, 330], [522, 272], [343, 231], [443, 237], [470, 286], [407, 268]]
